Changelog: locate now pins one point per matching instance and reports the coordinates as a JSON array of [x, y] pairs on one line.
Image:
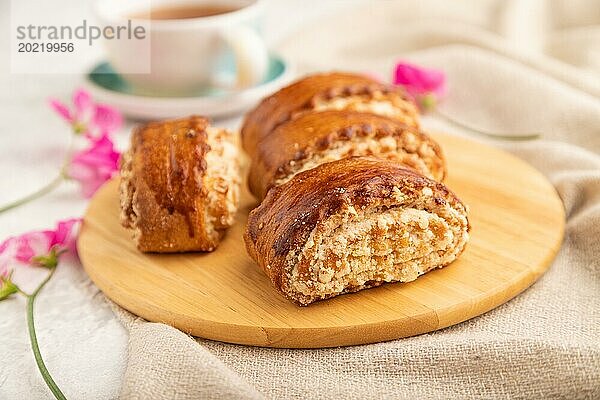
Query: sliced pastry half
[[318, 137], [179, 185], [321, 92], [353, 224]]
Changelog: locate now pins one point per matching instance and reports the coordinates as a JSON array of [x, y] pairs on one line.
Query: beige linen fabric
[[542, 344]]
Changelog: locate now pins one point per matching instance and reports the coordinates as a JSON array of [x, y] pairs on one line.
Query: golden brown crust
[[165, 191], [310, 93], [317, 137], [278, 230]]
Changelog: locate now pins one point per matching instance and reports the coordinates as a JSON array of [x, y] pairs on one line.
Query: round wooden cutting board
[[517, 228]]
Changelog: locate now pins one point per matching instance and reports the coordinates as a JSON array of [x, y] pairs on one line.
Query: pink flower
[[82, 101], [65, 234], [32, 244], [426, 86], [95, 165], [82, 107], [107, 119], [7, 255], [62, 110], [87, 117], [23, 248]]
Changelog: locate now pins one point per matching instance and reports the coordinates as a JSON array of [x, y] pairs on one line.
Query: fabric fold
[[165, 363]]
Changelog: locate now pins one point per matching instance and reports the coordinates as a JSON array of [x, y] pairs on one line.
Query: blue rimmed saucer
[[108, 87]]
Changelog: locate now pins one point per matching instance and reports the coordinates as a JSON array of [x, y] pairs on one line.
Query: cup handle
[[251, 55]]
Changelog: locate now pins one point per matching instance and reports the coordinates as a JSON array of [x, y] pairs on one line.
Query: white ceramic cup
[[184, 54]]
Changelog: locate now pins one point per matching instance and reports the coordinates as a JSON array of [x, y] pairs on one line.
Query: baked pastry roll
[[179, 185], [353, 224], [315, 138], [320, 92]]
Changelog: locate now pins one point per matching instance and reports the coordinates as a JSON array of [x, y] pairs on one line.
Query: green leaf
[[428, 102], [7, 287], [49, 260]]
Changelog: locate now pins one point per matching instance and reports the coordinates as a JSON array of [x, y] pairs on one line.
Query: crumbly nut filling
[[403, 149], [129, 213], [355, 248], [376, 103], [222, 181]]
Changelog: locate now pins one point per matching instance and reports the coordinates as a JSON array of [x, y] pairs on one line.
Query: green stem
[[512, 136], [34, 343], [47, 188], [22, 292], [38, 193]]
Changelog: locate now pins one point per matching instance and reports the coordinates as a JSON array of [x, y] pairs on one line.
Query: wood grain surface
[[517, 228]]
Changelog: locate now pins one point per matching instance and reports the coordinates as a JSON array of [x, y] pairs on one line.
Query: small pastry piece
[[179, 185], [353, 224], [320, 92], [315, 138]]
